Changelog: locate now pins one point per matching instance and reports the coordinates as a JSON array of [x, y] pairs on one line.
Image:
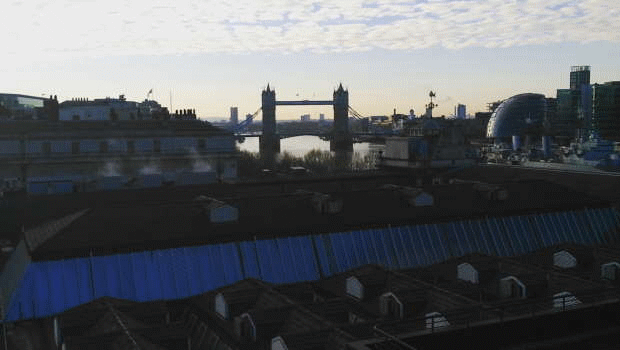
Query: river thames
[[298, 146]]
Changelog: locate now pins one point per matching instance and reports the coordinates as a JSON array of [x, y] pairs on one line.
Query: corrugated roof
[[50, 287]]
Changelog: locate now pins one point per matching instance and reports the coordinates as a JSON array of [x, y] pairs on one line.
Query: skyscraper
[[579, 75], [574, 107], [234, 115], [606, 116], [460, 111]]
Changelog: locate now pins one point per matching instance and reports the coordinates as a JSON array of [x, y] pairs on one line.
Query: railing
[[501, 311]]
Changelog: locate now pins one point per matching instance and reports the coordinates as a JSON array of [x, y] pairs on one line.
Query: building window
[[75, 147]]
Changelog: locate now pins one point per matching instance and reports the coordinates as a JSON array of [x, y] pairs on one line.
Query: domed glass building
[[519, 115]]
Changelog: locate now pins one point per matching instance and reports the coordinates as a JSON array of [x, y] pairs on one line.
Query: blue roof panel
[[50, 287], [251, 267]]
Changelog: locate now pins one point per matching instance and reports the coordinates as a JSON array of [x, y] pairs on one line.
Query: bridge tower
[[269, 141], [342, 140]]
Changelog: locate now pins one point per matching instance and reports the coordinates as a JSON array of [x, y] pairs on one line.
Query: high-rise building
[[579, 75], [565, 122], [322, 117], [606, 110], [573, 117], [234, 115], [550, 114], [460, 111], [305, 118]]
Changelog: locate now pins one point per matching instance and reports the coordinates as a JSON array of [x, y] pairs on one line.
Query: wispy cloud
[[189, 26]]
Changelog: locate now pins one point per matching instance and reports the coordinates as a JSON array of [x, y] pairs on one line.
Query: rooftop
[[137, 220], [278, 315]]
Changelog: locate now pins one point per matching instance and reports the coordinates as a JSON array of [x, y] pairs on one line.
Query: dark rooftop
[[136, 220], [301, 323]]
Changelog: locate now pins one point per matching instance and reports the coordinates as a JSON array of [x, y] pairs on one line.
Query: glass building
[[566, 122], [15, 106], [574, 107], [606, 108], [579, 75], [519, 115]]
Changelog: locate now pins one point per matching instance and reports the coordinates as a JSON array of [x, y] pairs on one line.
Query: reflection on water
[[300, 145], [364, 156]]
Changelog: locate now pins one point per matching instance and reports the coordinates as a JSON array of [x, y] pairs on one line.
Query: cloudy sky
[[210, 55]]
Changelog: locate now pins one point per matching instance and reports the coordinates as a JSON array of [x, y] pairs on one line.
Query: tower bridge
[[341, 138]]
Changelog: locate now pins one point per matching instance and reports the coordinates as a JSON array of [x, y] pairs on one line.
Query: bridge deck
[[304, 103]]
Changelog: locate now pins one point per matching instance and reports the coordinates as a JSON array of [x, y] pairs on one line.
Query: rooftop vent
[[512, 287], [489, 191], [436, 320], [245, 328], [466, 272], [354, 288], [564, 260], [391, 306], [218, 212], [322, 203], [221, 307], [565, 300], [6, 246], [412, 196], [278, 343], [609, 271]]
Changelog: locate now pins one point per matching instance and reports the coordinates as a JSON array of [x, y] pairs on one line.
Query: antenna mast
[[430, 105]]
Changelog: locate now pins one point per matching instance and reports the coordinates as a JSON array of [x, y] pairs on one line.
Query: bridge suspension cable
[[247, 121], [355, 114]]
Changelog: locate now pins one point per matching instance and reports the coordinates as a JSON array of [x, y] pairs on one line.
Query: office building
[[84, 145], [234, 115], [579, 75], [459, 111], [574, 107], [606, 110], [24, 107]]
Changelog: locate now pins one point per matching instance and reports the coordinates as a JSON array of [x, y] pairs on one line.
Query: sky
[[211, 55]]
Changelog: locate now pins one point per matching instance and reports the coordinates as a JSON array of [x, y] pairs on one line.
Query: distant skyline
[[389, 53]]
